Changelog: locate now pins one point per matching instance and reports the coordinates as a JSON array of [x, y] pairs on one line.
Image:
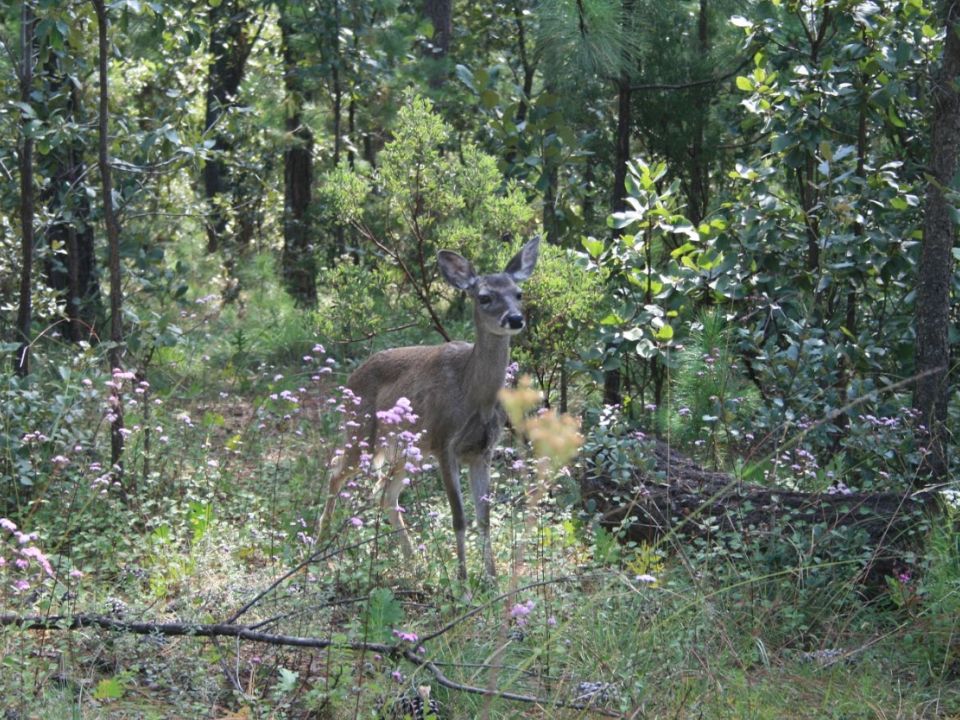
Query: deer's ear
[[522, 264], [456, 270]]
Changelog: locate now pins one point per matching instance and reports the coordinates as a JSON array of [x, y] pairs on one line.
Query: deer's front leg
[[480, 487], [450, 472]]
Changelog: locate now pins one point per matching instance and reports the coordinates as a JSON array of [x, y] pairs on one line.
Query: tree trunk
[[550, 152], [440, 14], [936, 262], [77, 278], [298, 262], [612, 379], [115, 353], [698, 191], [21, 361], [230, 47]]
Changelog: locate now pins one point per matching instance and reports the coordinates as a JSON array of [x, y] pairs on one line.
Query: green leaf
[[384, 613], [744, 83], [894, 118], [109, 689], [665, 333], [465, 76], [647, 350], [287, 682], [593, 246], [489, 99]]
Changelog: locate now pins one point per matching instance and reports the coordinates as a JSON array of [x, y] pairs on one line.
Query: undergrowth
[[223, 478]]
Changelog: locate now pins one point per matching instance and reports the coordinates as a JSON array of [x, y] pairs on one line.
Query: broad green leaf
[[287, 683], [593, 246], [744, 83], [665, 333], [465, 76]]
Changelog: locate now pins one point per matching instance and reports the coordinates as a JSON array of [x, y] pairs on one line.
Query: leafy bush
[[561, 301]]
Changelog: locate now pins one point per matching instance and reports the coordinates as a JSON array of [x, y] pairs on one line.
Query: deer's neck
[[486, 370]]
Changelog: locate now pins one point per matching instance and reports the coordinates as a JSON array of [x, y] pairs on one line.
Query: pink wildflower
[[410, 637]]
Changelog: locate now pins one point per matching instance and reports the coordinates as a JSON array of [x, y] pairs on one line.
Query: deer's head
[[496, 297]]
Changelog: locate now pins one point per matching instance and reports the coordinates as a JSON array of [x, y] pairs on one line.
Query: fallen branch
[[677, 498], [243, 632]]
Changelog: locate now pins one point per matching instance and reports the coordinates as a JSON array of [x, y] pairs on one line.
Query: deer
[[453, 389]]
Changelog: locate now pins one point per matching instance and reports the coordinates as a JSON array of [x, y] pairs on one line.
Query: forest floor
[[576, 625]]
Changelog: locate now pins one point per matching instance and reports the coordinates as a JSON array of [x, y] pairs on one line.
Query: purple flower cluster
[[316, 358], [405, 636], [397, 443], [22, 557], [520, 612], [399, 414]]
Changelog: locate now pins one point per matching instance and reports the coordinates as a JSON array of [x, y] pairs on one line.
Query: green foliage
[[560, 301], [654, 275], [47, 420], [589, 37], [757, 294], [424, 195], [616, 450], [384, 614], [930, 596], [711, 405]]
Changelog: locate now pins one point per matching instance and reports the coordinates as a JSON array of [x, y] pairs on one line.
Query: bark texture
[[21, 361], [298, 261], [936, 260], [230, 46]]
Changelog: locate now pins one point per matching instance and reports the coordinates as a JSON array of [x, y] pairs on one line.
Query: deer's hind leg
[[391, 485], [341, 468], [350, 460]]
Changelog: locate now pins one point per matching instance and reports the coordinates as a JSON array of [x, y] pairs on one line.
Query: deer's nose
[[515, 321]]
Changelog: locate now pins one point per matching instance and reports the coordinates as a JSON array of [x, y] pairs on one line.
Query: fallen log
[[674, 498]]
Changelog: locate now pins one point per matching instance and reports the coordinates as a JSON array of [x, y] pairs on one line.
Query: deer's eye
[[484, 299]]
